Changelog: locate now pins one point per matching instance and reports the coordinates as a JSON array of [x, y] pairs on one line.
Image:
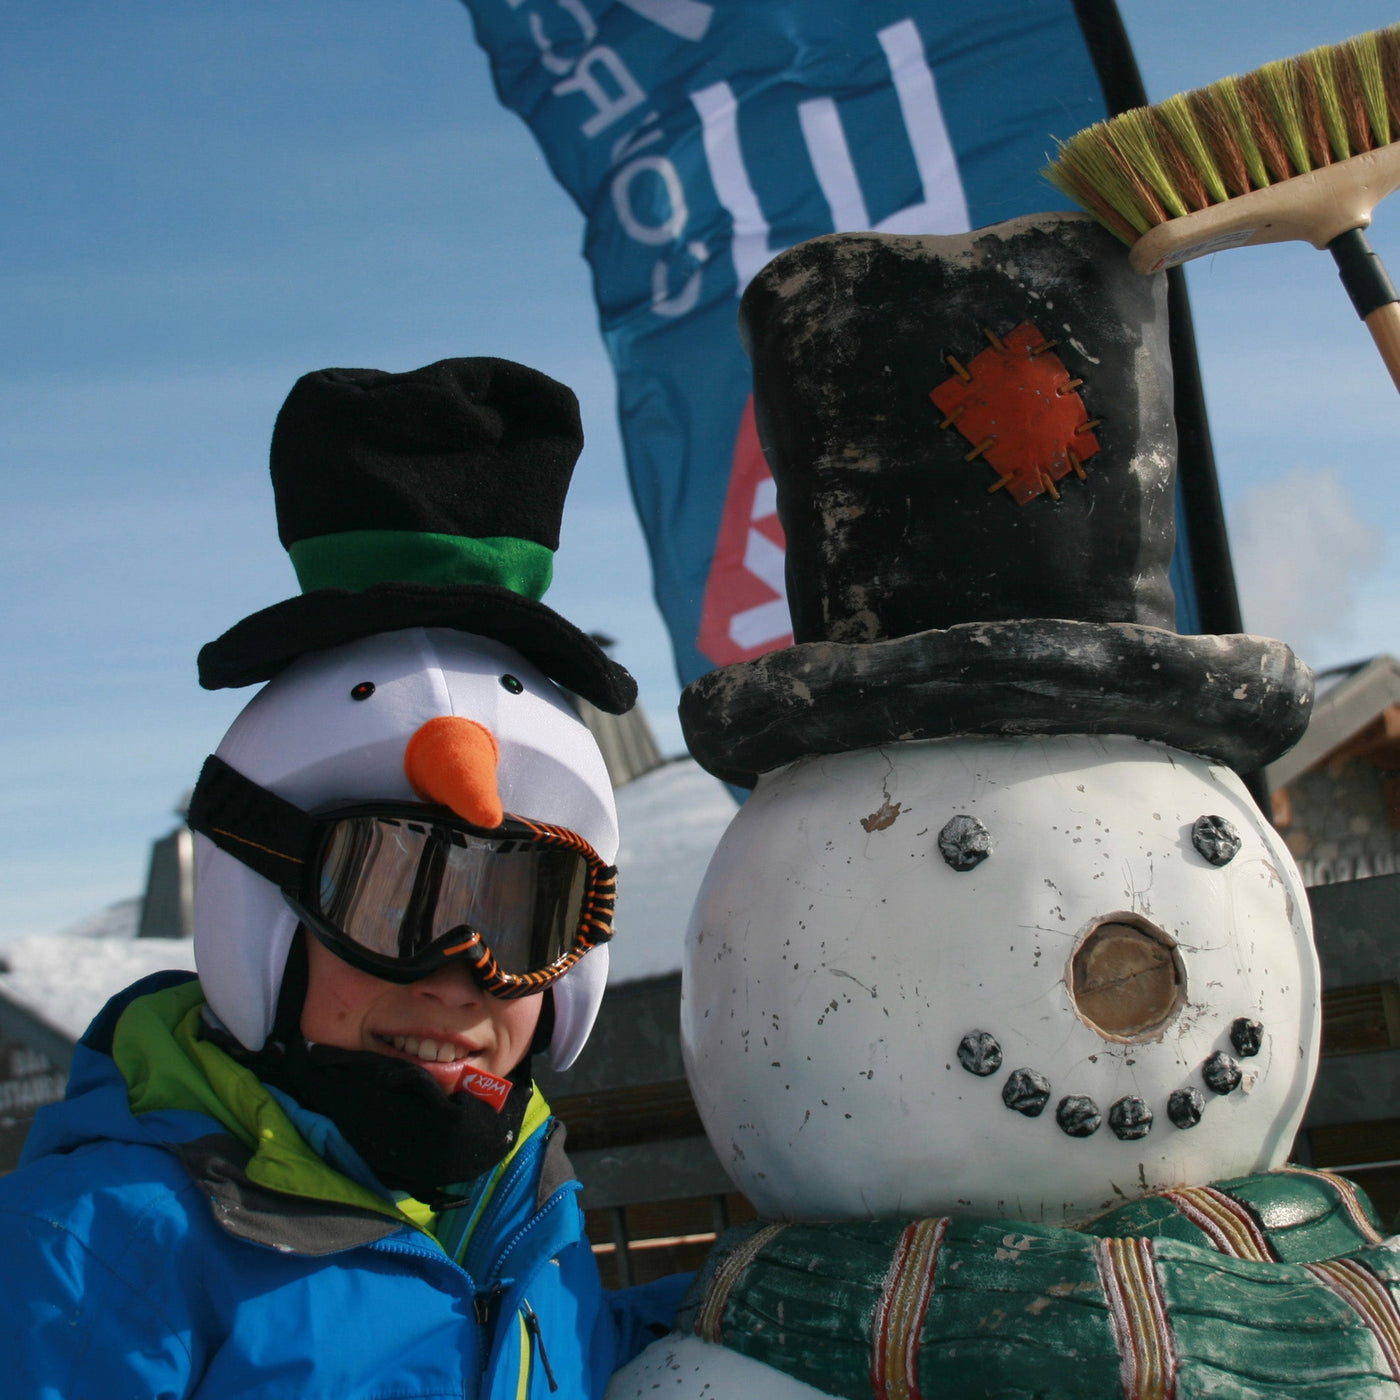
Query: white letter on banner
[[686, 19], [674, 224], [944, 209], [548, 57], [609, 107], [831, 159], [768, 622], [719, 125], [688, 295], [635, 139]]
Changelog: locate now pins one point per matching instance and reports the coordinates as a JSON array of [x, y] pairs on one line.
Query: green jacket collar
[[166, 1065]]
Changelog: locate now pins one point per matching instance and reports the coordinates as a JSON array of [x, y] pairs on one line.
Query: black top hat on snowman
[[425, 499], [975, 456]]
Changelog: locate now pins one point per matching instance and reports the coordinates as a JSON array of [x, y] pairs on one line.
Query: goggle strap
[[270, 835], [596, 916]]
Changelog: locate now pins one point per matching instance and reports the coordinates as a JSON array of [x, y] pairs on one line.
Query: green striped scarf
[[1262, 1288]]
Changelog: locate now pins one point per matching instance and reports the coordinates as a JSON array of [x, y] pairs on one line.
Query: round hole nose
[[1126, 978]]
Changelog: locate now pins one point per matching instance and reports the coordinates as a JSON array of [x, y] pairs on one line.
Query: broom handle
[[1372, 293], [1384, 325]]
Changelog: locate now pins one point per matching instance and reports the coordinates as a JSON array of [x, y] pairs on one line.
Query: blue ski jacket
[[173, 1232]]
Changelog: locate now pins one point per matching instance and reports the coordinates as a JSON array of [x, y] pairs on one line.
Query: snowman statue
[[1000, 1001]]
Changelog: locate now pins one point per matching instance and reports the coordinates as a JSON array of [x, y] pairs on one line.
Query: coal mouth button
[[1247, 1037], [1216, 839], [1130, 1118], [1027, 1091], [1186, 1106], [1221, 1073], [979, 1052], [1078, 1116], [964, 843]]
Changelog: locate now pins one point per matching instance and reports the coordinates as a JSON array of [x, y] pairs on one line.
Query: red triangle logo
[[744, 613]]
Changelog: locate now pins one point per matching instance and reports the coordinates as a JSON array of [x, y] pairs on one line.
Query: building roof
[[1348, 698]]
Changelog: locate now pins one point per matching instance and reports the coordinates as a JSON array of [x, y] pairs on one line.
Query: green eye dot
[[512, 684]]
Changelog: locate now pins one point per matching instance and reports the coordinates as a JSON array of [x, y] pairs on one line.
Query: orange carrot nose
[[451, 761]]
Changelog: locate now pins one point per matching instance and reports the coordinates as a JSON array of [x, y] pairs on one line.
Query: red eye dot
[[362, 691]]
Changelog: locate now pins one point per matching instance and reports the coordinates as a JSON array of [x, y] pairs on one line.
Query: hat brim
[[1240, 700], [258, 647]]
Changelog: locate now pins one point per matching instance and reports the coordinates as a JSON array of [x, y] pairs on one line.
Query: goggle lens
[[396, 887]]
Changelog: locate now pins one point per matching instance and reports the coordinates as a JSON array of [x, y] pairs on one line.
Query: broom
[[1303, 148]]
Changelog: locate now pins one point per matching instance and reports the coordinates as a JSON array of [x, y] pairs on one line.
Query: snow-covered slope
[[67, 977], [670, 819]]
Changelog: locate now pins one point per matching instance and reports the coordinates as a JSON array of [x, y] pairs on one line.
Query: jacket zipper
[[487, 1300], [504, 1187], [484, 1305], [533, 1330], [532, 1327]]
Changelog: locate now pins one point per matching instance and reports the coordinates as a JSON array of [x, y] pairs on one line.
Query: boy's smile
[[444, 1023]]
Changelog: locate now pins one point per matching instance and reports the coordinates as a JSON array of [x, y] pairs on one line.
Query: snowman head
[[421, 511], [335, 728], [1024, 978]]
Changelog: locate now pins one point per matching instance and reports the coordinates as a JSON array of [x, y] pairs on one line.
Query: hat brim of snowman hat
[[261, 645], [1240, 700]]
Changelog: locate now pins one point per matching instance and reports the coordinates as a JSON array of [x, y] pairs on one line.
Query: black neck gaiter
[[412, 1136]]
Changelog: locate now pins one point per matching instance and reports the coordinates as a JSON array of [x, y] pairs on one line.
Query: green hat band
[[359, 559]]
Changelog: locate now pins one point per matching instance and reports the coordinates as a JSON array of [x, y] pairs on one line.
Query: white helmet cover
[[305, 738]]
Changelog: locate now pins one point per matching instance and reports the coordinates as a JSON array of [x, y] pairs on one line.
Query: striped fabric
[[729, 1272], [1350, 1197], [1224, 1221], [1138, 1311], [1369, 1298], [1278, 1284], [899, 1314]]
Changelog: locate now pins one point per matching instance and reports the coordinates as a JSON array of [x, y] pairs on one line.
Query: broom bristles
[[1366, 63], [1388, 45], [1240, 134]]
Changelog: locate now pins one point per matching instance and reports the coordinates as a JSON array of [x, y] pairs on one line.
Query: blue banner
[[699, 139]]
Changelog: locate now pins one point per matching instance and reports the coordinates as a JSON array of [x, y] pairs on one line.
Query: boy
[[322, 1168]]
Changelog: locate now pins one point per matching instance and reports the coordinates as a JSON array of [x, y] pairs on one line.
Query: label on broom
[[485, 1087], [1204, 248]]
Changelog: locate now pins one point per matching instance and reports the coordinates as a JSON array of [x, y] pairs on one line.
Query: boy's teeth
[[424, 1049]]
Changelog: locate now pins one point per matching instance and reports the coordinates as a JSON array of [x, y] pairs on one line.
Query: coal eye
[[964, 843], [1216, 839], [512, 684], [362, 691]]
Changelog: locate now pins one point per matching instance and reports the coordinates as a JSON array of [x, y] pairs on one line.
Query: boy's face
[[444, 1022]]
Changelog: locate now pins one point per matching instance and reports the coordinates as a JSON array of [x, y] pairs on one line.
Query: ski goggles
[[397, 889]]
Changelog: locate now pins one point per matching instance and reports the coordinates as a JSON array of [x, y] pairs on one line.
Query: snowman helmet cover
[[421, 511], [305, 737]]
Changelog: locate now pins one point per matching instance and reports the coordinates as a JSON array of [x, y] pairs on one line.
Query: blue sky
[[202, 202]]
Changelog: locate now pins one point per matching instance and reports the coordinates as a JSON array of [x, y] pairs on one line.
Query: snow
[[671, 819], [66, 978]]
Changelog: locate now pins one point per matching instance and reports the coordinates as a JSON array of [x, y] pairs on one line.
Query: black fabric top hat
[[975, 456], [425, 499]]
